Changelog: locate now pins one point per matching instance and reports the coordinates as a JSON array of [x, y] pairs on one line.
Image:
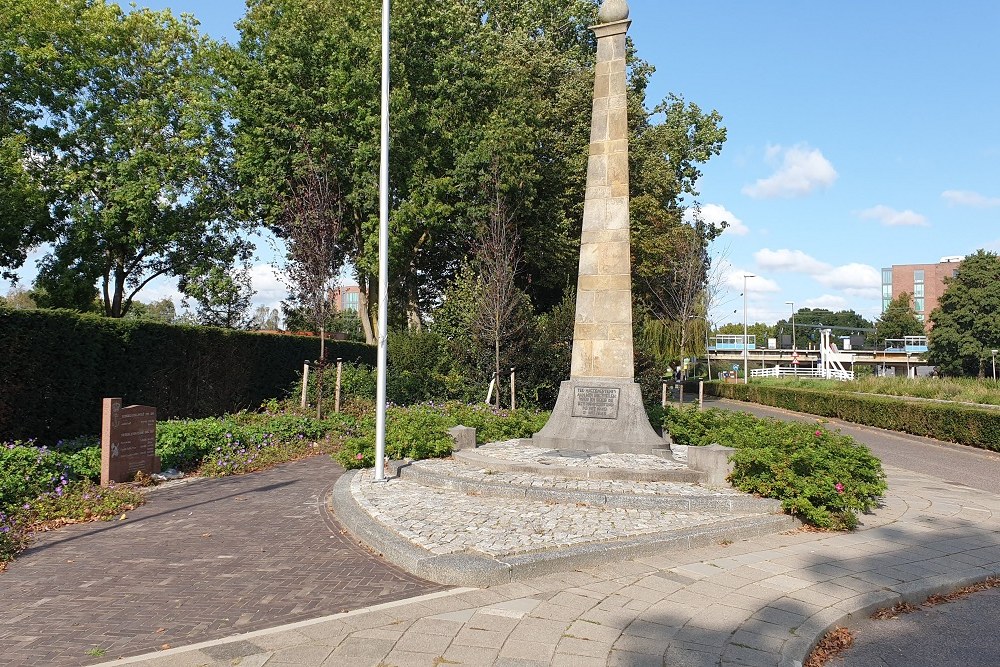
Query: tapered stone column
[[600, 407]]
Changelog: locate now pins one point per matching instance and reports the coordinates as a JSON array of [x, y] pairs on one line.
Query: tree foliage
[[899, 319], [123, 118], [967, 319]]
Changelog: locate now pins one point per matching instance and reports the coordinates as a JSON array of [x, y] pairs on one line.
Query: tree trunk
[[364, 310], [496, 362], [413, 320]]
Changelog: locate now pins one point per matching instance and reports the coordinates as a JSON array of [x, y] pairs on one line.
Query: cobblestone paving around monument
[[199, 561], [445, 522], [514, 451], [623, 487]]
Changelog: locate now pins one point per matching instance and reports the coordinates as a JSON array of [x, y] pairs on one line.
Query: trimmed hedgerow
[[58, 365], [964, 424], [823, 477]]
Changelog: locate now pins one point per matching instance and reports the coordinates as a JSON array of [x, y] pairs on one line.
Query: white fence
[[786, 371]]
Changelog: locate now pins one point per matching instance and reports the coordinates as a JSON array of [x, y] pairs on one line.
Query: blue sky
[[860, 135]]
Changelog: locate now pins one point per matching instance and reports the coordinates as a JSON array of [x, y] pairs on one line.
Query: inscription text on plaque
[[595, 402]]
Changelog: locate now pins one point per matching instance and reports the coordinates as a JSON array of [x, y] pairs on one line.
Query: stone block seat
[[510, 510]]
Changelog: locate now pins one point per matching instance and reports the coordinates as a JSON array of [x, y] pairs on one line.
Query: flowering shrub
[[822, 476], [27, 471], [40, 486]]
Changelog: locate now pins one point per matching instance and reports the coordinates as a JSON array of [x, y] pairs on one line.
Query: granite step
[[520, 456], [462, 475], [472, 538]]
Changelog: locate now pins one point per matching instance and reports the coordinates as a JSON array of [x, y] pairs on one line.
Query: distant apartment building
[[347, 298], [923, 282]]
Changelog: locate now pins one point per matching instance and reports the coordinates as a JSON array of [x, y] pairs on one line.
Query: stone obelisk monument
[[600, 408]]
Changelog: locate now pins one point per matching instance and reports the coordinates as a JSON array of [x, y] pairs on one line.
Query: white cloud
[[893, 218], [801, 171], [715, 215], [733, 279], [828, 301], [267, 282], [969, 198], [794, 261], [860, 280]]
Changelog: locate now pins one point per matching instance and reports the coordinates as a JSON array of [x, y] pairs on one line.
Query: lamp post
[[792, 304], [994, 353], [746, 354], [908, 364]]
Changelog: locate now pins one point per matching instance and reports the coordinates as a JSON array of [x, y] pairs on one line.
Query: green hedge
[[964, 424], [56, 366]]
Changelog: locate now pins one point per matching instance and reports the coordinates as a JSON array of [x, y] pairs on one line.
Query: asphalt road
[[965, 632]]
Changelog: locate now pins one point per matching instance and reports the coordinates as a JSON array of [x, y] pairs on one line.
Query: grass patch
[[960, 390]]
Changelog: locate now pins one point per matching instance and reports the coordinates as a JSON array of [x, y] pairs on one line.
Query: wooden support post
[[680, 398], [513, 394], [663, 401], [336, 398], [305, 382], [701, 394]]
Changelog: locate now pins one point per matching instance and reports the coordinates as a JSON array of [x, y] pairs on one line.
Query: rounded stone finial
[[613, 10]]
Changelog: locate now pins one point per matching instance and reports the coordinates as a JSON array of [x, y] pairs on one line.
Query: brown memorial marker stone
[[128, 441]]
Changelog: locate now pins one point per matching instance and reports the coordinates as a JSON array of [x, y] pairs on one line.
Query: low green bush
[[242, 442], [421, 431], [39, 486], [952, 422], [26, 472], [821, 476]]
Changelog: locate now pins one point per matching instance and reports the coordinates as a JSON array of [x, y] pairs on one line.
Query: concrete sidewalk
[[764, 601]]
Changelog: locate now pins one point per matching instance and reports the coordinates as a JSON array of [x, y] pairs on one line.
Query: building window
[[886, 288], [918, 304], [918, 289], [350, 301], [918, 276]]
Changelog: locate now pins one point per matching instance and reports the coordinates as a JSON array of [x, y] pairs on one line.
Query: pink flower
[[818, 432], [839, 487], [360, 456]]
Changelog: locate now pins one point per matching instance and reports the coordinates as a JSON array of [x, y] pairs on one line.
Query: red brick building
[[923, 282]]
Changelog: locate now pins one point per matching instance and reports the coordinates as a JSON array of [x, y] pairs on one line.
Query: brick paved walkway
[[197, 562]]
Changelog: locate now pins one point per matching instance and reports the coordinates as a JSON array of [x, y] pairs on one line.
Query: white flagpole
[[383, 256]]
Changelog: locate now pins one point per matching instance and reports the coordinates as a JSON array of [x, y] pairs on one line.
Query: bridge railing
[[785, 371]]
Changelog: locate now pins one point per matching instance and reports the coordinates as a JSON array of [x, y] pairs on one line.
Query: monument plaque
[[128, 441], [595, 402]]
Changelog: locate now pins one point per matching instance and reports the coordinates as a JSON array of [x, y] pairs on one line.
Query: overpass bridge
[[902, 355]]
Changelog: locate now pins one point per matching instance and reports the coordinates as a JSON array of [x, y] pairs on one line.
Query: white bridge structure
[[901, 356], [831, 364]]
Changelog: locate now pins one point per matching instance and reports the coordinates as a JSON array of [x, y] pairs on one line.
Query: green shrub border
[[963, 424], [56, 366]]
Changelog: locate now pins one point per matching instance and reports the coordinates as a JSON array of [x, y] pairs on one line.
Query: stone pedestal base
[[599, 416]]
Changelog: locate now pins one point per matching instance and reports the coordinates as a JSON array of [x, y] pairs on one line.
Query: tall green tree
[[134, 145], [899, 320], [42, 46], [966, 323]]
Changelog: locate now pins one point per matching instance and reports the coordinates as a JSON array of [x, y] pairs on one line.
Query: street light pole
[[746, 353], [792, 304]]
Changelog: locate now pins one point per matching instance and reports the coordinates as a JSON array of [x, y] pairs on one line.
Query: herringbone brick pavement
[[200, 561]]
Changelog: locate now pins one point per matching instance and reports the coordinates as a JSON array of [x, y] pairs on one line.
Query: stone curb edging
[[737, 504], [616, 474], [795, 651], [466, 569]]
